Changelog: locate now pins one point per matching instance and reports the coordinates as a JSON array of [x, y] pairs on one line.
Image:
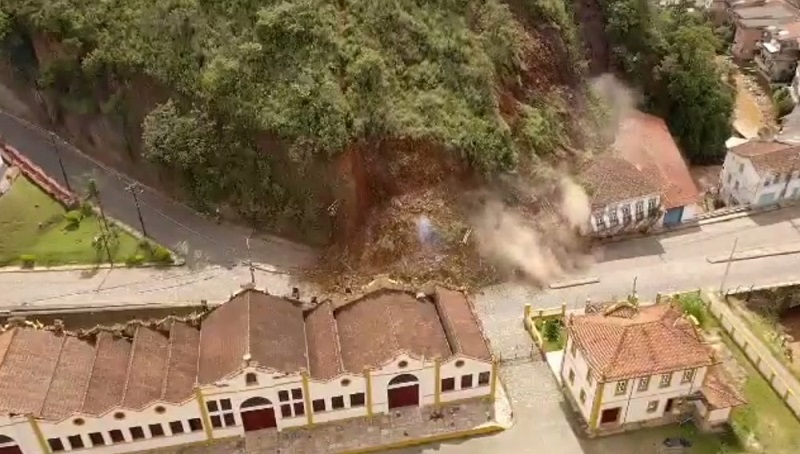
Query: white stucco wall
[[574, 361], [690, 212], [753, 188], [460, 366], [633, 403], [608, 210], [20, 430]]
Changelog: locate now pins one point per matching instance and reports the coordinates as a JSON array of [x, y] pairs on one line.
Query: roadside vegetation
[[38, 231], [670, 54]]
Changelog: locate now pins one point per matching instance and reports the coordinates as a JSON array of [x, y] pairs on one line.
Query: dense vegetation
[[671, 54], [310, 75]]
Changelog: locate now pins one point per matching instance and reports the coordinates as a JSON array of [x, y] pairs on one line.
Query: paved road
[[168, 222]]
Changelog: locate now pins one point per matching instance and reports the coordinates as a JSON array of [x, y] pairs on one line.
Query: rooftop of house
[[718, 391], [770, 156], [610, 179], [52, 373], [626, 341], [768, 14]]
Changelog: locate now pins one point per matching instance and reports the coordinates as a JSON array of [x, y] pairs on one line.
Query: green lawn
[[32, 223], [550, 345]]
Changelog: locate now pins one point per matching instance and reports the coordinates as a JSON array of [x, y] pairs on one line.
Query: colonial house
[[643, 182], [257, 362], [752, 21], [760, 173], [627, 366], [777, 54]]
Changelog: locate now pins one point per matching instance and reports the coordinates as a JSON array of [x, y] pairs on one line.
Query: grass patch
[[35, 226], [553, 338]]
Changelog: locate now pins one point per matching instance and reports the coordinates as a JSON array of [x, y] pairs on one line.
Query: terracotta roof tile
[[611, 180], [70, 379], [373, 329], [27, 370], [181, 375], [461, 325], [653, 341], [223, 339], [324, 357], [645, 141], [109, 374], [148, 364], [770, 156], [718, 390], [277, 333]]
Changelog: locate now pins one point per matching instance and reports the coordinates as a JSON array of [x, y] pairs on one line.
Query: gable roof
[[51, 373], [611, 180], [718, 390], [770, 156], [621, 344]]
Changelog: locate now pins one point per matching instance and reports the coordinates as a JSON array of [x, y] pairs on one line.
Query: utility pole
[[135, 189], [250, 261], [728, 267], [60, 162]]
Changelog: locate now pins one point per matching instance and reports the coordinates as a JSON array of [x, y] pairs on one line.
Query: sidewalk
[[783, 382]]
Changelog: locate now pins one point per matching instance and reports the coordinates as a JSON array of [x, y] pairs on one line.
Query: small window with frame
[[621, 388]]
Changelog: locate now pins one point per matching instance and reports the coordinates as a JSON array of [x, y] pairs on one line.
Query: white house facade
[[258, 362], [629, 367], [760, 173]]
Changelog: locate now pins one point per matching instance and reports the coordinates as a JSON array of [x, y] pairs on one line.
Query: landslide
[[343, 122]]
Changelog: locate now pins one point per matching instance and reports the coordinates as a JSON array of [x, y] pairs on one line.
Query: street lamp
[[135, 189]]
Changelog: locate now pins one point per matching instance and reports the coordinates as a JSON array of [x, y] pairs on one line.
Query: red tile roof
[[461, 324], [769, 156], [324, 355], [719, 390], [611, 180], [656, 339], [148, 366], [645, 141]]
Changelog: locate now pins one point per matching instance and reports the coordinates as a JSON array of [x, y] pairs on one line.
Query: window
[[212, 406], [156, 430], [622, 386], [318, 405], [571, 377], [583, 396], [448, 384], [639, 210], [466, 381], [294, 405], [160, 409], [297, 393], [644, 383], [283, 396], [460, 363], [337, 402], [119, 415], [137, 433], [116, 436], [666, 380], [600, 221], [613, 216], [251, 379], [195, 425], [75, 442], [286, 411], [345, 382], [176, 427], [688, 376], [78, 421], [224, 413], [652, 206], [225, 404], [626, 214], [357, 400], [56, 445], [652, 406], [402, 364], [216, 421], [589, 378], [299, 408], [97, 439], [483, 378]]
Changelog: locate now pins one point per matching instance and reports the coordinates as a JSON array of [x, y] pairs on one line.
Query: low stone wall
[[39, 177]]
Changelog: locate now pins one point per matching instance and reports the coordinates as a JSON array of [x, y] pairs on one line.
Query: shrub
[[552, 330], [146, 246], [693, 305], [73, 218], [784, 104], [134, 260], [28, 260], [161, 255], [86, 209]]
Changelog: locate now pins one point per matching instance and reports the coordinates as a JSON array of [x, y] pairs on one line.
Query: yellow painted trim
[[368, 379], [527, 311], [39, 435], [307, 399], [493, 392], [424, 440], [201, 401], [437, 396], [598, 399]]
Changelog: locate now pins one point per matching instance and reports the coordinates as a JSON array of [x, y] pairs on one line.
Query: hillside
[[321, 120]]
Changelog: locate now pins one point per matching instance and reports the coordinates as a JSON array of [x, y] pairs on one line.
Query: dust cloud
[[542, 246], [618, 100]]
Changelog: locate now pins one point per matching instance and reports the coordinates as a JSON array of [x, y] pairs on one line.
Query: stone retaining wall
[[39, 177]]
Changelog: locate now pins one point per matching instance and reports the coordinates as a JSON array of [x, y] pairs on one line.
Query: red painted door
[[10, 450], [405, 396], [258, 419]]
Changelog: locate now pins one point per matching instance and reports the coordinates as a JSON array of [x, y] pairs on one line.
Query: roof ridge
[[164, 382], [130, 364], [52, 375], [618, 349], [337, 343], [444, 320], [91, 373]]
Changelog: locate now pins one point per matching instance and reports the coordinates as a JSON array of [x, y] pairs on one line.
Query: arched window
[[251, 379], [7, 441], [403, 378], [255, 402]]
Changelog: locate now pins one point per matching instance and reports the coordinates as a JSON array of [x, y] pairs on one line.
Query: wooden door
[[10, 450], [404, 396], [259, 419]]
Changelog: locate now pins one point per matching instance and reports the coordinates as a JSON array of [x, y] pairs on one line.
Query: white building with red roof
[[257, 362], [760, 173], [627, 366]]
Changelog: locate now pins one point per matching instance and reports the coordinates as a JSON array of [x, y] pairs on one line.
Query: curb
[[751, 256], [99, 267], [492, 429], [575, 283]]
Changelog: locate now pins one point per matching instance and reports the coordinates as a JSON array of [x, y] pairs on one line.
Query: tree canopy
[[671, 54]]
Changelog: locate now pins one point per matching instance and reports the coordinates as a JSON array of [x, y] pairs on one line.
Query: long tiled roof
[[612, 180], [51, 373], [621, 343], [770, 156]]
